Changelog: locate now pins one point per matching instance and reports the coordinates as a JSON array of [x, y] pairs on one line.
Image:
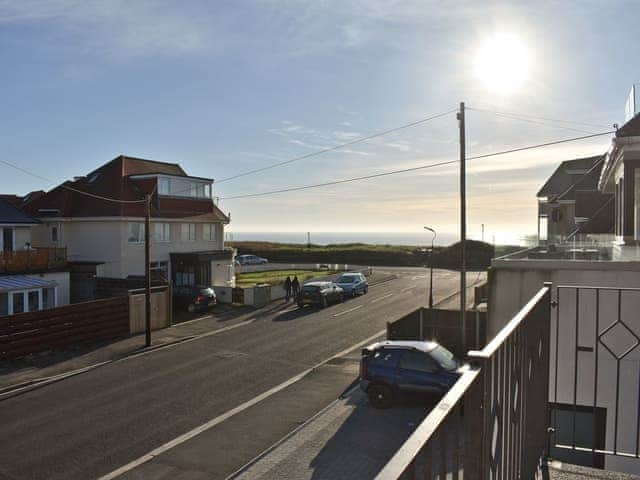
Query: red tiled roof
[[112, 181]]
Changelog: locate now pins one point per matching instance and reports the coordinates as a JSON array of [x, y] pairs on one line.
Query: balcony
[[34, 260], [520, 408]]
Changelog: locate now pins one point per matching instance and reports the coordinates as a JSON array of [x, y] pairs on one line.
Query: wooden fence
[[33, 259], [59, 327]]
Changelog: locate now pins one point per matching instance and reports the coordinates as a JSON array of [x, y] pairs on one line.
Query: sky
[[229, 86]]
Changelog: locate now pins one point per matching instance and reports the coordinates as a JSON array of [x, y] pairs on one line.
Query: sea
[[372, 238]]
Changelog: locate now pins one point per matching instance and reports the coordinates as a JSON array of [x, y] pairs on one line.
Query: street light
[[431, 267]]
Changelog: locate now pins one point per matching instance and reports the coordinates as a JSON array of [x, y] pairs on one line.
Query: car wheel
[[325, 303], [365, 290], [191, 308], [380, 396]]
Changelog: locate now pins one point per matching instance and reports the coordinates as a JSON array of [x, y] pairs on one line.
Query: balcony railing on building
[[560, 381], [32, 260], [493, 422]]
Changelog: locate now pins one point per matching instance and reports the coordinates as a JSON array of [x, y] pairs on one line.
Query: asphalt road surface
[[92, 424]]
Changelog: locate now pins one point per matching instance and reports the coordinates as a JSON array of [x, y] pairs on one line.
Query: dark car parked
[[194, 298], [391, 368], [320, 293]]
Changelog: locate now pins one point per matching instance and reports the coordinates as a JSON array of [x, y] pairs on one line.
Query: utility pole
[[463, 227], [483, 232], [147, 271]]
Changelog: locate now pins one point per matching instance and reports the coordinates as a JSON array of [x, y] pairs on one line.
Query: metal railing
[[493, 423], [596, 372]]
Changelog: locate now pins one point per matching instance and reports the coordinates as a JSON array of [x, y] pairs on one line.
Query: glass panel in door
[[18, 302]]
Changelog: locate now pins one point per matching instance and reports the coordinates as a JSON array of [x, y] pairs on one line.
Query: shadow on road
[[368, 438]]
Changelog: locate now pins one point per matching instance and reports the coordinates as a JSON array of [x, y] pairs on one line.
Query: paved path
[[91, 424]]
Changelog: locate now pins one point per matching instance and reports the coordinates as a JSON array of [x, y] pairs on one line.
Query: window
[[444, 357], [163, 187], [161, 232], [159, 271], [54, 234], [413, 360], [33, 299], [183, 187], [188, 232], [543, 224], [4, 304], [208, 231], [7, 239], [48, 298], [136, 232], [384, 357], [18, 302]]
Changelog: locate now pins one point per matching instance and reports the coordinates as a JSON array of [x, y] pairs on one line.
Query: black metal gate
[[595, 374]]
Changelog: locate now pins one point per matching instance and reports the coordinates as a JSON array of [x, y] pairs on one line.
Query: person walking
[[295, 285], [287, 288]]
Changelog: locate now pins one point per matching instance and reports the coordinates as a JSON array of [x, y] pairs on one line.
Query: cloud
[[117, 29], [346, 136]]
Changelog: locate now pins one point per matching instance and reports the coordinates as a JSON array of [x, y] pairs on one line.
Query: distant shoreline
[[418, 239]]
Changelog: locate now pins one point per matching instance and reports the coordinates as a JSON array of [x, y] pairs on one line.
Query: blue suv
[[391, 368]]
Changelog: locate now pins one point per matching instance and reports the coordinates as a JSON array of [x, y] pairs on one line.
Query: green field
[[479, 254], [276, 277]]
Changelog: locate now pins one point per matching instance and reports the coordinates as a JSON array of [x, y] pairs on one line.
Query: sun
[[502, 63]]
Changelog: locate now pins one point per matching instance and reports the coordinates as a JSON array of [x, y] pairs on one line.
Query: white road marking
[[290, 309], [381, 298], [221, 418], [347, 311], [408, 288], [416, 277]]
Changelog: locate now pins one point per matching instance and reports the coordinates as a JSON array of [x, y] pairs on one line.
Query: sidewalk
[[348, 440], [36, 367]]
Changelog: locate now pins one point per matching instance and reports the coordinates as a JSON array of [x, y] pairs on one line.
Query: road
[[92, 424]]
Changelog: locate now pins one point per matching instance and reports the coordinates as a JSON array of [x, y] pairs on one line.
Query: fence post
[[547, 355], [474, 421]]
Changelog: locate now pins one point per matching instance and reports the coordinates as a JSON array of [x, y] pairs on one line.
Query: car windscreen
[[206, 291], [444, 357], [347, 279]]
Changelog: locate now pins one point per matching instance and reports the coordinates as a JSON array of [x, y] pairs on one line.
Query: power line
[[528, 120], [412, 169], [335, 147], [535, 117]]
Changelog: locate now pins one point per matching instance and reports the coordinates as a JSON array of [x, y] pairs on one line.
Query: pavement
[[208, 404], [349, 440]]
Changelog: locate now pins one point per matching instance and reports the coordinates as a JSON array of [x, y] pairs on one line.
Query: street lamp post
[[430, 284]]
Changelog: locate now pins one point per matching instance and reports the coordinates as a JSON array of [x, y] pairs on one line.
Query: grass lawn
[[275, 277]]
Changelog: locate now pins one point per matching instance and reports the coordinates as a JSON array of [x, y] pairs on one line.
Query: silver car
[[353, 283]]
